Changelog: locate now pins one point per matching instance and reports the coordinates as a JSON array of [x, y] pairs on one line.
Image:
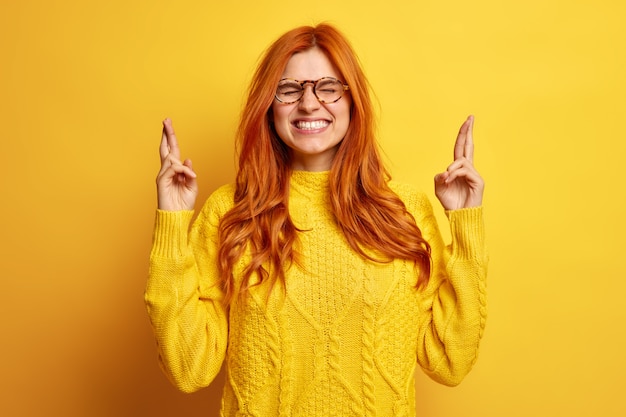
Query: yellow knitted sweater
[[343, 338]]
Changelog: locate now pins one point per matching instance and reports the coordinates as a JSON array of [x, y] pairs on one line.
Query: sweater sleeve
[[453, 304], [184, 299]]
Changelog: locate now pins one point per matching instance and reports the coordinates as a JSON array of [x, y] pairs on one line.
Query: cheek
[[344, 118], [279, 113], [280, 120]]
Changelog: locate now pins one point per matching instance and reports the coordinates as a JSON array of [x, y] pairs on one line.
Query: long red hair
[[371, 216]]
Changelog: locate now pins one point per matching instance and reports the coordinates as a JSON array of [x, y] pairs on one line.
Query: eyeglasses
[[326, 89]]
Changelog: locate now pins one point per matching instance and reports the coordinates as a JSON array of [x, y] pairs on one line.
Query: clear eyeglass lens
[[328, 90], [289, 91]]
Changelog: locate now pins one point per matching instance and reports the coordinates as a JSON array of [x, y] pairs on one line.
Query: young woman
[[318, 280]]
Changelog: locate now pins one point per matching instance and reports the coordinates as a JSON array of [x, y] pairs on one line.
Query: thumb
[[191, 176], [440, 179]]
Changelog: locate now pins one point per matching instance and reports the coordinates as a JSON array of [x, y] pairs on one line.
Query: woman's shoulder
[[407, 192], [415, 200], [225, 192], [220, 201]]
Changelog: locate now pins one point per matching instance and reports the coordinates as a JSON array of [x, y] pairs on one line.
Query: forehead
[[311, 64]]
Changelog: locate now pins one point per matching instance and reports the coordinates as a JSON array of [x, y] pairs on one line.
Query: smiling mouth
[[311, 125]]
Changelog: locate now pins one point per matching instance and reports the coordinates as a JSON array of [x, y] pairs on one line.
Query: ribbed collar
[[311, 185]]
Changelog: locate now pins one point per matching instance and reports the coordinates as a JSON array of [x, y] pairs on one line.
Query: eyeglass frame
[[346, 87]]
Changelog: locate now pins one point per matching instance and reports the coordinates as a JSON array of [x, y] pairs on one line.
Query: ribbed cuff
[[171, 231], [467, 230]]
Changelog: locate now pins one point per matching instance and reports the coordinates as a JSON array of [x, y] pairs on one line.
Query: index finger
[[464, 145], [469, 141], [169, 143], [164, 149]]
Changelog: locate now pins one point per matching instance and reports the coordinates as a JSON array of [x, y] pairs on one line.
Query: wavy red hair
[[371, 216]]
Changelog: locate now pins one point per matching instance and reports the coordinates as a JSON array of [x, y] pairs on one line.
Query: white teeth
[[316, 124]]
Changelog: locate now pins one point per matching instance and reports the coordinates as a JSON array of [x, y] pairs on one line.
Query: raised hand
[[460, 186], [177, 187]]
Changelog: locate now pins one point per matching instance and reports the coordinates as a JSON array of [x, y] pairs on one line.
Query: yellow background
[[85, 85]]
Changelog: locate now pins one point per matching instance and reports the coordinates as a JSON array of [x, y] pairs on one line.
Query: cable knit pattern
[[368, 350], [344, 335]]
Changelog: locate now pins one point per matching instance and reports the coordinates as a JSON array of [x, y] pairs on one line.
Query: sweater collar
[[313, 185]]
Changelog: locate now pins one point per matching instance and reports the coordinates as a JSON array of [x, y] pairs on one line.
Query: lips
[[311, 124]]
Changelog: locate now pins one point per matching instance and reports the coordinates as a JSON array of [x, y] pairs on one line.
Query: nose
[[309, 101]]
